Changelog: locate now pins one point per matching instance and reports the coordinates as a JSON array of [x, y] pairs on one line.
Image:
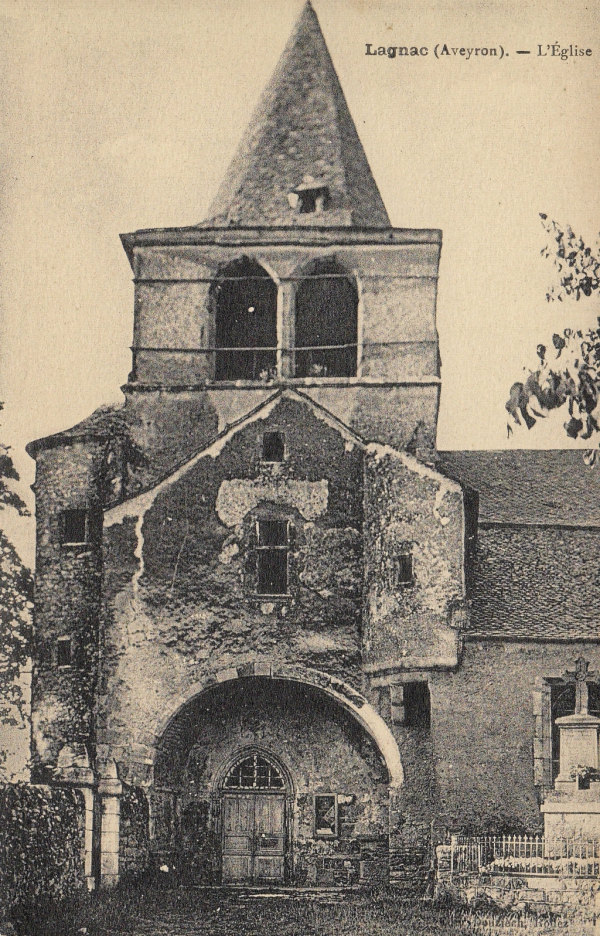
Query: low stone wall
[[576, 898]]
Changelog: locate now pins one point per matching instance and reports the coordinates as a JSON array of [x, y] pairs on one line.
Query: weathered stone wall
[[179, 579], [484, 728], [411, 509], [134, 831], [574, 899], [323, 750], [67, 600], [397, 285]]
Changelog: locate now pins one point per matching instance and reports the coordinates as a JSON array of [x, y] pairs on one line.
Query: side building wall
[[489, 728]]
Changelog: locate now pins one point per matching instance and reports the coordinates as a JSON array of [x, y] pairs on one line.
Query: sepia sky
[[123, 114]]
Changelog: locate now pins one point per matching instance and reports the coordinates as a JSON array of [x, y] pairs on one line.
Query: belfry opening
[[245, 303], [326, 321]]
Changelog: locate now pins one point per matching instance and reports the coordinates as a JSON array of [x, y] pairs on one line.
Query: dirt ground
[[229, 912]]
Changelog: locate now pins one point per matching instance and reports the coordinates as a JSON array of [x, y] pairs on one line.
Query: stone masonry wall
[[483, 730], [67, 600], [397, 289], [409, 509], [180, 595]]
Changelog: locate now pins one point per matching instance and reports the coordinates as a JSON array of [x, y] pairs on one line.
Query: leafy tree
[[15, 601], [569, 373]]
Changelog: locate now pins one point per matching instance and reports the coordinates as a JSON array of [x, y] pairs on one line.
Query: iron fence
[[525, 855]]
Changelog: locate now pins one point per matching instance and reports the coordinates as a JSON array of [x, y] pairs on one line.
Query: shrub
[[41, 846]]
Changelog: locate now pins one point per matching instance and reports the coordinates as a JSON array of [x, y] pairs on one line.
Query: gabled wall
[[179, 588]]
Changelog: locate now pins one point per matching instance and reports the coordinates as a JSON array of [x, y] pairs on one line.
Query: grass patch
[[194, 911]]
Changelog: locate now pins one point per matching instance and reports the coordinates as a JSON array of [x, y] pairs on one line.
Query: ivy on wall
[[41, 844]]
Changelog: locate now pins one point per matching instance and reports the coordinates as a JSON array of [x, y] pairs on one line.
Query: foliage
[[41, 841], [568, 374], [16, 589], [584, 773]]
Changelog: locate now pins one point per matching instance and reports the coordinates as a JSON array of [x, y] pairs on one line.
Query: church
[[280, 637]]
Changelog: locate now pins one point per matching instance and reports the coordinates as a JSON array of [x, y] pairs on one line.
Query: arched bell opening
[[326, 329], [244, 299]]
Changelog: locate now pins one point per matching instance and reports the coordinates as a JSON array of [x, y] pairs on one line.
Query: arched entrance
[[254, 820], [274, 774]]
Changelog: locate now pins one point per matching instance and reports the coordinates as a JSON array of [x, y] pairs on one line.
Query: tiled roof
[[551, 487], [536, 582], [301, 128], [104, 422]]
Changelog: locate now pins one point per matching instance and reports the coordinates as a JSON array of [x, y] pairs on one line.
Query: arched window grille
[[254, 772]]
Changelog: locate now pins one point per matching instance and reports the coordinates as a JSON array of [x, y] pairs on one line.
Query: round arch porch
[[199, 740], [342, 693]]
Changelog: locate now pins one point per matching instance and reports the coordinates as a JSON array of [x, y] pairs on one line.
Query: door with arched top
[[253, 822]]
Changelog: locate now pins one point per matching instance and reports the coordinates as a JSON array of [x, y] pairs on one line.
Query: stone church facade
[[280, 637]]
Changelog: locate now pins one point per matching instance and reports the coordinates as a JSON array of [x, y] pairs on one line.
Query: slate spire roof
[[301, 136]]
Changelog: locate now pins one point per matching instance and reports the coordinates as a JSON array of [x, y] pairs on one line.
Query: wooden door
[[269, 837], [253, 837]]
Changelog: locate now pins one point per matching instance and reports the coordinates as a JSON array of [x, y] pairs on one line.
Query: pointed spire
[[301, 147]]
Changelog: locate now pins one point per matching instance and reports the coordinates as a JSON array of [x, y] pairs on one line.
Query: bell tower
[[296, 276]]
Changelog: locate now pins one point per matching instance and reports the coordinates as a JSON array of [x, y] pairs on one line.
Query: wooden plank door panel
[[253, 837], [238, 835], [269, 838]]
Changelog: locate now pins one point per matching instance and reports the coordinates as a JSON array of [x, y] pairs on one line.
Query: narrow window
[[74, 526], [417, 705], [273, 447], [63, 651], [272, 557], [326, 815], [404, 568]]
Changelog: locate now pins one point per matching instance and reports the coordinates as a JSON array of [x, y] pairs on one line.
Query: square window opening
[[74, 526], [63, 651], [326, 815], [417, 705], [273, 447]]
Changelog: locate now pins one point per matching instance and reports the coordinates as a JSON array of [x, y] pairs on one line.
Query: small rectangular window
[[74, 526], [404, 568], [326, 815], [63, 651], [272, 557], [417, 705], [273, 447]]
